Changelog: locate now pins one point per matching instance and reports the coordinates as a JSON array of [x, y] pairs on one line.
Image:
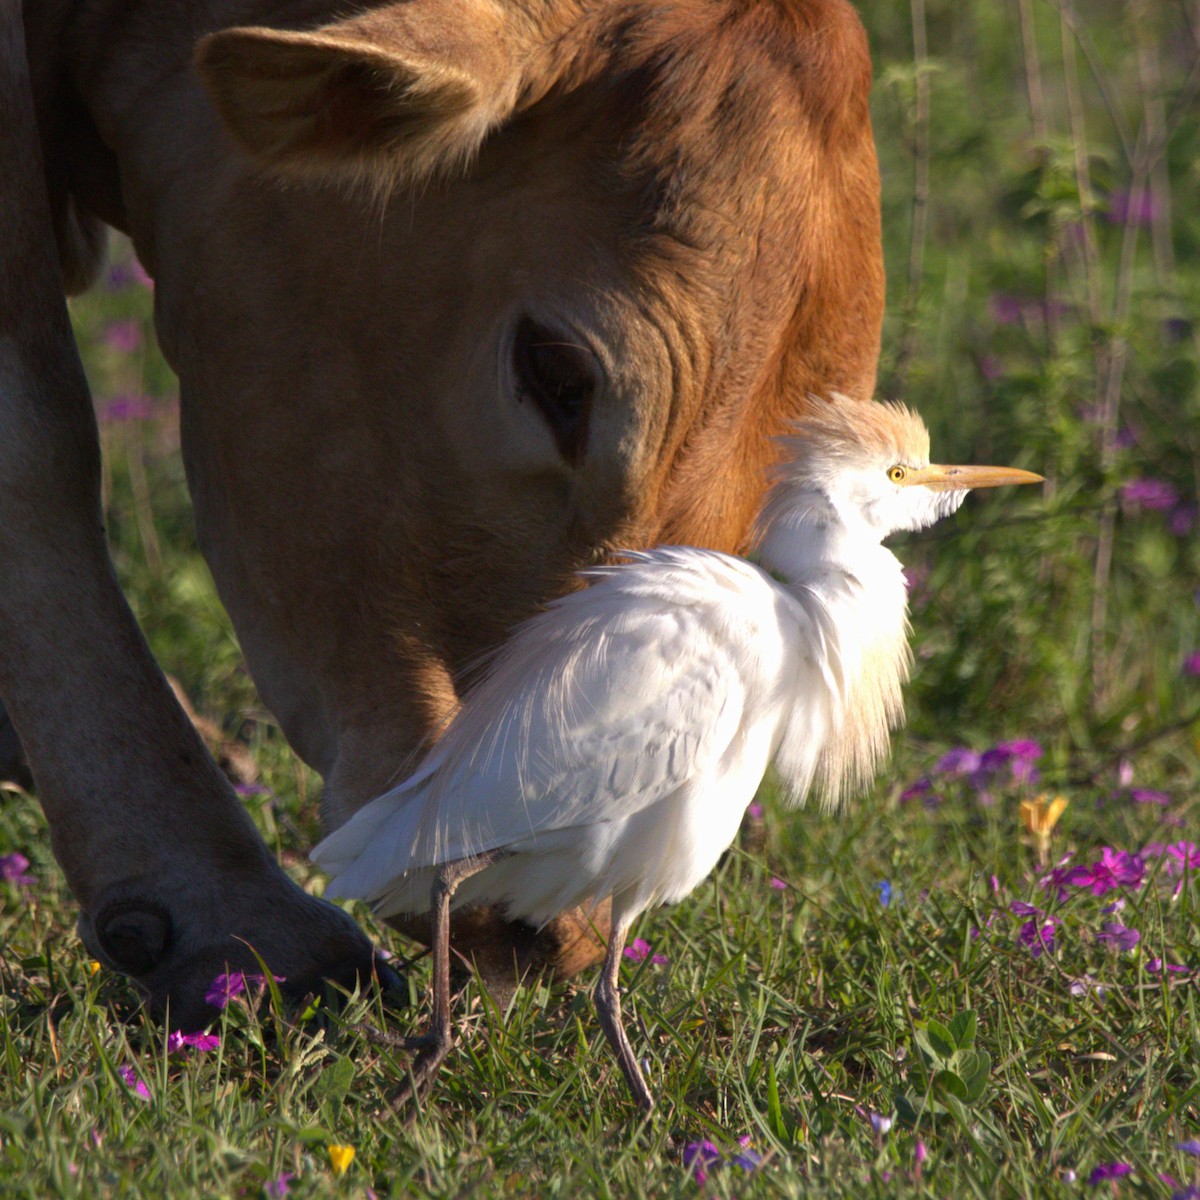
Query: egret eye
[[897, 474], [560, 377]]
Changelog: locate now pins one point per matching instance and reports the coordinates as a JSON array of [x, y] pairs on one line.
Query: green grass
[[785, 1014]]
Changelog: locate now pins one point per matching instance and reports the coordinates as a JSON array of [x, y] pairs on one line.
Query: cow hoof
[[134, 935]]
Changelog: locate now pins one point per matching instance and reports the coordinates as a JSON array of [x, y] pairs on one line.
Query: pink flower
[[778, 884], [278, 1187], [123, 336], [224, 988], [1191, 664], [1037, 935], [14, 869], [639, 949], [1155, 965], [130, 1076], [127, 408], [1154, 495], [1118, 936], [1104, 1171], [177, 1040]]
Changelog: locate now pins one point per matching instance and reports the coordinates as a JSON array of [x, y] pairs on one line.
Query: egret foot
[[435, 1045], [607, 998]]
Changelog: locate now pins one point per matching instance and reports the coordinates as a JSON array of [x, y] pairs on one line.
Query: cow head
[[607, 251]]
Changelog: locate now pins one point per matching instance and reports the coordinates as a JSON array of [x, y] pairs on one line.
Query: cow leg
[[172, 878]]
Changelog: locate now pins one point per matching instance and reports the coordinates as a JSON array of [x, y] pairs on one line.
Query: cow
[[463, 296]]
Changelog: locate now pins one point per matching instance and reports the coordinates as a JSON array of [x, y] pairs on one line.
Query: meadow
[[977, 980]]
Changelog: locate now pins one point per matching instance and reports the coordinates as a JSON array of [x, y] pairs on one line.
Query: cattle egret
[[619, 736]]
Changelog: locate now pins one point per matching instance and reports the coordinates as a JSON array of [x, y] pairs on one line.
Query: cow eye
[[560, 376]]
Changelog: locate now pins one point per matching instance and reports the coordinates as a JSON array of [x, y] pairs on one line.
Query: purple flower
[[1191, 1146], [278, 1187], [778, 884], [127, 408], [1179, 856], [1116, 868], [1118, 936], [1037, 935], [881, 1124], [1020, 909], [1181, 520], [1191, 664], [251, 789], [1155, 965], [639, 949], [130, 1076], [1105, 1171], [959, 761], [884, 888], [176, 1041], [1005, 308], [123, 336], [920, 788], [698, 1157], [1155, 495], [991, 367], [1187, 1193], [14, 869], [224, 988], [755, 811], [1137, 207], [1150, 796]]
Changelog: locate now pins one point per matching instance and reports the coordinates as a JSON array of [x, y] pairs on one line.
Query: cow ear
[[384, 98]]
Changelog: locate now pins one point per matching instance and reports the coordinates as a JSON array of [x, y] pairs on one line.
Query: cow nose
[[133, 936]]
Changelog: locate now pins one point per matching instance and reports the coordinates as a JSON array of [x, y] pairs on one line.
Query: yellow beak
[[951, 479]]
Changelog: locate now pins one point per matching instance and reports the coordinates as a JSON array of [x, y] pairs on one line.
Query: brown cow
[[462, 295]]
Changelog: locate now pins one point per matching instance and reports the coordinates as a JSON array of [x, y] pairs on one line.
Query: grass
[[1031, 319]]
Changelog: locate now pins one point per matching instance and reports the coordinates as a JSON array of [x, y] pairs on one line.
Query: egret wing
[[605, 703]]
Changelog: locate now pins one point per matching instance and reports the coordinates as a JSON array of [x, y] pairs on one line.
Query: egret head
[[870, 462]]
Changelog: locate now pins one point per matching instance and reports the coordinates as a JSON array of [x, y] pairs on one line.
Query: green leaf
[[948, 1086], [774, 1108], [335, 1081], [977, 1081], [962, 1029]]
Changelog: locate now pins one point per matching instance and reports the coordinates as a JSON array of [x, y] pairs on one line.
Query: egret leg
[[607, 997], [435, 1045]]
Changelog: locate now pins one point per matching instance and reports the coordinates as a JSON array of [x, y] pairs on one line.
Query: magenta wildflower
[[123, 336], [959, 761], [14, 869], [919, 789], [278, 1187], [1149, 796], [639, 949], [251, 789], [178, 1040], [127, 408], [1151, 495], [1182, 520], [1178, 857], [1106, 1171], [881, 1124], [920, 1154], [1191, 1146], [1037, 935], [698, 1157], [1020, 909], [1136, 207], [132, 1080], [1005, 308], [1116, 868], [1155, 965], [778, 884], [1191, 664], [1118, 936], [224, 988]]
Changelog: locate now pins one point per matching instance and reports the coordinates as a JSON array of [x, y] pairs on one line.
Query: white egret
[[619, 736]]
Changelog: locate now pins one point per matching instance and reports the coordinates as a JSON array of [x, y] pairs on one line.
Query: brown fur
[[688, 186]]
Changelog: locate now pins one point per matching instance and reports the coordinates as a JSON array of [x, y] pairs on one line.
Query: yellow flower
[[93, 967], [1040, 817], [341, 1157]]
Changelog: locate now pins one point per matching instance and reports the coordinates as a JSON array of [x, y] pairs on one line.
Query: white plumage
[[619, 736]]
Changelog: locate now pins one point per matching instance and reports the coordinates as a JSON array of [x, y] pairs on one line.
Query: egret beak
[[953, 479]]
